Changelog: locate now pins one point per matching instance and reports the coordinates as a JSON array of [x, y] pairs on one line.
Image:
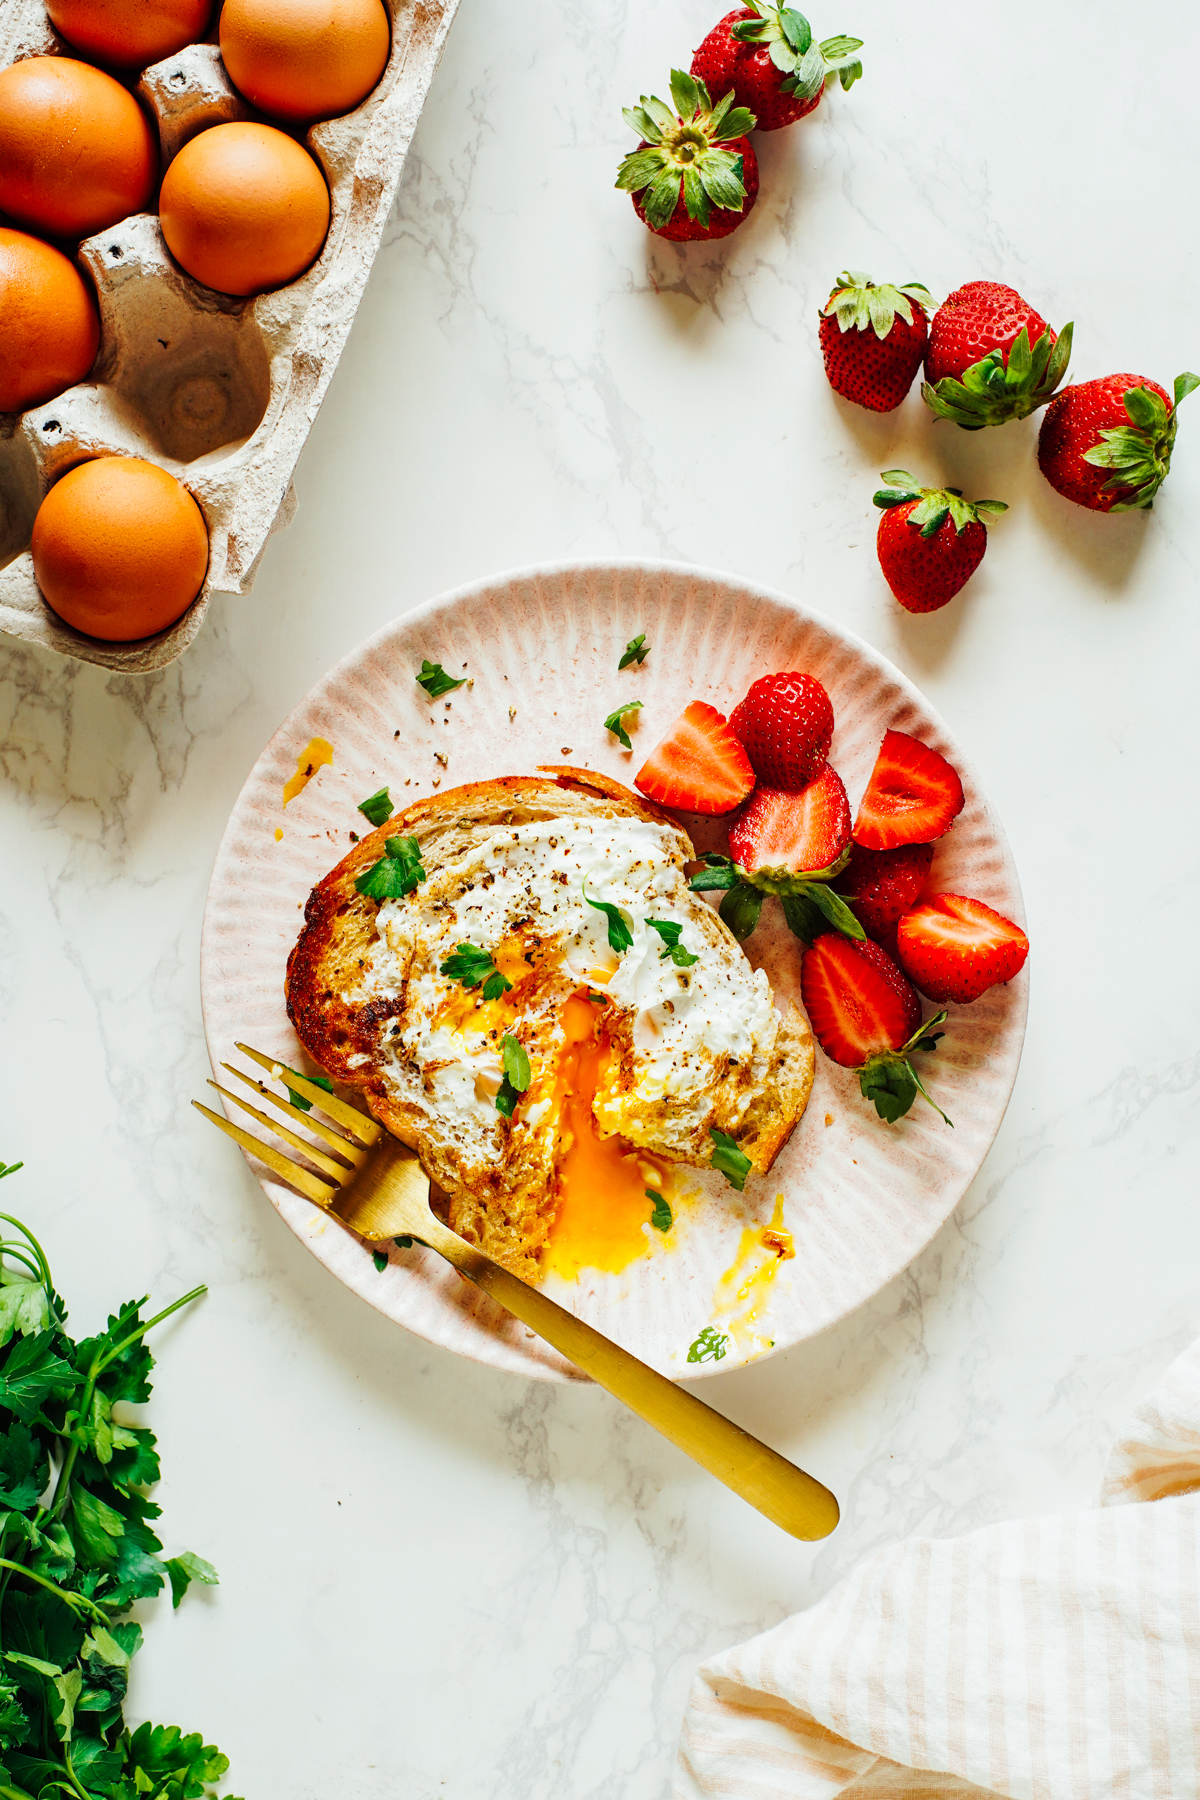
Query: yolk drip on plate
[[602, 1181], [319, 752], [744, 1290]]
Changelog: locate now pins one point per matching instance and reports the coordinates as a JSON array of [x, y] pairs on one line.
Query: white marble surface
[[436, 1580]]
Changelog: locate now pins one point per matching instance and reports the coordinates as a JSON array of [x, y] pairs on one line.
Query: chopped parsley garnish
[[471, 966], [613, 722], [710, 1346], [669, 932], [733, 1163], [379, 1258], [434, 679], [377, 809], [403, 1243], [635, 652], [516, 1075], [718, 872], [321, 1081], [620, 938], [397, 872], [662, 1217]]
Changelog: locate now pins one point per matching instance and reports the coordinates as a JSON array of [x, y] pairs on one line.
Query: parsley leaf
[[620, 938], [635, 652], [670, 932], [733, 1163], [471, 966], [517, 1075], [662, 1217], [434, 679], [31, 1374], [377, 809], [613, 722], [398, 871], [321, 1081], [186, 1568], [379, 1258], [710, 1346]]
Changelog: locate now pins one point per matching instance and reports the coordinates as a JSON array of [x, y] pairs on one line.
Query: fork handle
[[784, 1493]]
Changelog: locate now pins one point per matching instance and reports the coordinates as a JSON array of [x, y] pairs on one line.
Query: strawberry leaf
[[740, 909], [796, 29], [685, 94]]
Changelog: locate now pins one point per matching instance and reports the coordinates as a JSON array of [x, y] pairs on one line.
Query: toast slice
[[530, 871]]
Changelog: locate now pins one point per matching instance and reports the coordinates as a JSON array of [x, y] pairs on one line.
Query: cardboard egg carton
[[221, 392]]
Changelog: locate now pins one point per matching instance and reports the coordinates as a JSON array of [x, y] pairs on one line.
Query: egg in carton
[[219, 391]]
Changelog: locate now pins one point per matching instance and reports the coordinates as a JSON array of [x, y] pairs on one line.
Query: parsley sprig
[[620, 938], [733, 1163], [670, 934], [662, 1217], [377, 808], [636, 651], [471, 965], [398, 871], [434, 679], [77, 1549], [614, 723], [517, 1075]]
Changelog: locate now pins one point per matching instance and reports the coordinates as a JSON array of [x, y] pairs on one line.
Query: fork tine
[[367, 1130], [336, 1171], [335, 1139], [309, 1184]]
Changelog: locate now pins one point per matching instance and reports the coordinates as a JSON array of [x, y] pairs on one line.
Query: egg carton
[[222, 392]]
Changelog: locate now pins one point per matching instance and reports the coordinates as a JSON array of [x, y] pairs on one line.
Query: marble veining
[[438, 1580]]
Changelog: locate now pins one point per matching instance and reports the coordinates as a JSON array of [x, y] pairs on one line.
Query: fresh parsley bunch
[[77, 1550]]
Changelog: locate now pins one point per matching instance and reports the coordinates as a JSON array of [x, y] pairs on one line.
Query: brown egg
[[76, 150], [305, 59], [51, 327], [120, 549], [130, 34], [244, 208]]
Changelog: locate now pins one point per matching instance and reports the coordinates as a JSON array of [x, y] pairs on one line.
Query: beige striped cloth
[[1044, 1659]]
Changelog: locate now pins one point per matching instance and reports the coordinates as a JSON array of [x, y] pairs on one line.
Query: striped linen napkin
[[1043, 1659]]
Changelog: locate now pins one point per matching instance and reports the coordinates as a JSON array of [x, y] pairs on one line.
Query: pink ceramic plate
[[541, 646]]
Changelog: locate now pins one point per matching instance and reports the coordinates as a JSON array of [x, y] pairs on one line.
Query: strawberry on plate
[[883, 885], [1107, 444], [991, 357], [694, 174], [913, 795], [791, 845], [785, 725], [873, 339], [954, 948], [765, 52], [699, 766], [866, 1016], [930, 540]]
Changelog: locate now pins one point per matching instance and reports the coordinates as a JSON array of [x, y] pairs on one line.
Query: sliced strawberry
[[786, 725], [884, 884], [955, 948], [858, 1002], [913, 795], [699, 766], [778, 834]]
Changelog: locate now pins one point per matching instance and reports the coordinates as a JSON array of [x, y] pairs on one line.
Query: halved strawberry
[[884, 884], [786, 724], [699, 766], [913, 795], [955, 948], [777, 835], [866, 1016]]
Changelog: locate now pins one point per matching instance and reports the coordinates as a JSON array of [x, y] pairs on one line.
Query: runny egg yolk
[[602, 1181]]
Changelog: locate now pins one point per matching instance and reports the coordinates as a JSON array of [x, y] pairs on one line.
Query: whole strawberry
[[882, 885], [785, 726], [766, 53], [930, 540], [1107, 444], [873, 339], [991, 358], [694, 174]]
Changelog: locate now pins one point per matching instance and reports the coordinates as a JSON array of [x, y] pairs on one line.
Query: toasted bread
[[688, 1047]]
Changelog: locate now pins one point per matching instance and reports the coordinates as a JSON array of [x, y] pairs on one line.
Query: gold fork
[[381, 1192]]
